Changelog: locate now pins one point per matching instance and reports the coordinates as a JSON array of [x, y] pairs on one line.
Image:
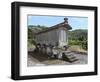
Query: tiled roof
[[63, 24]]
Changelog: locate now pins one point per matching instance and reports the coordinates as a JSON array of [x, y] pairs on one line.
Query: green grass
[[76, 48]]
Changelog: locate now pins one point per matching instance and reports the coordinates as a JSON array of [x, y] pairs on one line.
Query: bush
[[74, 42], [82, 44], [32, 41]]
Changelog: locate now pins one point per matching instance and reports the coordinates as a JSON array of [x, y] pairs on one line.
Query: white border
[[38, 70]]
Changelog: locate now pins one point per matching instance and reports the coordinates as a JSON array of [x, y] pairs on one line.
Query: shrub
[[82, 44]]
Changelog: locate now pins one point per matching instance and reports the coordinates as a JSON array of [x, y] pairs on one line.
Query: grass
[[77, 48]]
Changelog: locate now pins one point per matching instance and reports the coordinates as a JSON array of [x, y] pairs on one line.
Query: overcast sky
[[75, 22]]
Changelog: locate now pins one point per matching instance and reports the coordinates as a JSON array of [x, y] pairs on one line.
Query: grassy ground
[[77, 48]]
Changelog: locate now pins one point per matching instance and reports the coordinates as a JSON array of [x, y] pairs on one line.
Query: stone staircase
[[69, 56]]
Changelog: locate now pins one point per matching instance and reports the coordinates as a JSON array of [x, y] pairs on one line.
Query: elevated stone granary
[[55, 35]]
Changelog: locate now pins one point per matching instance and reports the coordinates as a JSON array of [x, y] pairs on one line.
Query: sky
[[73, 21]]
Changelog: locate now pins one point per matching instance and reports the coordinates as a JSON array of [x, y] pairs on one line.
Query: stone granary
[[56, 35], [54, 41]]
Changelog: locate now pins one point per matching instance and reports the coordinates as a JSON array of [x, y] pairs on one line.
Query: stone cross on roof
[[65, 20]]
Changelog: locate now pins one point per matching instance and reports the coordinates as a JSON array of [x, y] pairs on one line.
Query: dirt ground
[[42, 60]]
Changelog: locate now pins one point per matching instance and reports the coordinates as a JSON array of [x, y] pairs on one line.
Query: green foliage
[[84, 45], [32, 41], [78, 37], [30, 33], [78, 34], [32, 29], [73, 42]]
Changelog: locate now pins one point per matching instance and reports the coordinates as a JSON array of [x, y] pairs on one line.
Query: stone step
[[69, 53], [70, 57], [73, 60]]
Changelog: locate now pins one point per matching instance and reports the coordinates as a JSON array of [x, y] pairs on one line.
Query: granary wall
[[57, 36], [63, 37], [50, 37]]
